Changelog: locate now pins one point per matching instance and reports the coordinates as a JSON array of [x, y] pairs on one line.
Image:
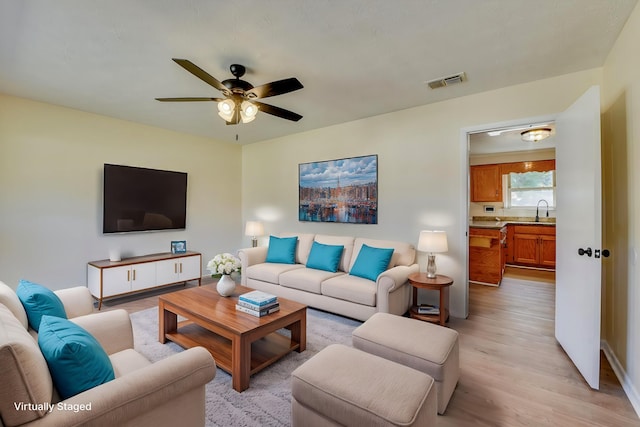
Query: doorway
[[578, 286], [512, 196]]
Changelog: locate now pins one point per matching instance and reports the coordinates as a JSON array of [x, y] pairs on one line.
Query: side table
[[441, 284]]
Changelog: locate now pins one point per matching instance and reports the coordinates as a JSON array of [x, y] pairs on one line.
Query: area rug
[[267, 402]]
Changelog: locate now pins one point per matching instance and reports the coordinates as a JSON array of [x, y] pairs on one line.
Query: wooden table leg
[[167, 323], [240, 363], [443, 309], [299, 333]]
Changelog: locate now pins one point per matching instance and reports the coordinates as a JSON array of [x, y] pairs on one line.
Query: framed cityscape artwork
[[344, 190]]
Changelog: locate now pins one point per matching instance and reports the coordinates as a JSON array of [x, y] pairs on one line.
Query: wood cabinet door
[[486, 183], [548, 251], [509, 251], [525, 250]]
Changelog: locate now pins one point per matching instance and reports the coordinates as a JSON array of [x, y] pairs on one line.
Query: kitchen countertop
[[491, 223]]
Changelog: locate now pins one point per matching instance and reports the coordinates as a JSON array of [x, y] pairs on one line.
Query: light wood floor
[[513, 372]]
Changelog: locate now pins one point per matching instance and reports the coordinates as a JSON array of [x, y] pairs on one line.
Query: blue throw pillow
[[371, 262], [76, 360], [282, 250], [325, 257], [38, 301]]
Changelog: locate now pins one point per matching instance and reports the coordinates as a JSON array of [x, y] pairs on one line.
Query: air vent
[[447, 81]]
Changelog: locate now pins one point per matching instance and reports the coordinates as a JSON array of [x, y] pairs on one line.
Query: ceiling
[[355, 58], [509, 140]]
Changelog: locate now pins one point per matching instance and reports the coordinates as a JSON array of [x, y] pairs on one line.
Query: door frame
[[464, 197]]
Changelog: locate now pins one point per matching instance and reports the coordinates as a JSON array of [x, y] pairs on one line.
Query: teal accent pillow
[[38, 301], [325, 257], [282, 250], [371, 262], [76, 360]]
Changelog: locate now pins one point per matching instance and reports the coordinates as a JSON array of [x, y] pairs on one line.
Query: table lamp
[[254, 229], [432, 242]]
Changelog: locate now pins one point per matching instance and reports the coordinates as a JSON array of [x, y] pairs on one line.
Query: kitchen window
[[524, 190]]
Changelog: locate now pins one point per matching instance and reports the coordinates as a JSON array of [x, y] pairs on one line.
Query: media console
[[108, 279]]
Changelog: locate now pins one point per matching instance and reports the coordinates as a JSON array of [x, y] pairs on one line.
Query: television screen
[[140, 199]]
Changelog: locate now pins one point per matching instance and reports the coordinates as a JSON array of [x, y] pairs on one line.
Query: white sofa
[[338, 292], [166, 393]]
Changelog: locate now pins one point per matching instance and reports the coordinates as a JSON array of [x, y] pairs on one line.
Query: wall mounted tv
[[140, 199]]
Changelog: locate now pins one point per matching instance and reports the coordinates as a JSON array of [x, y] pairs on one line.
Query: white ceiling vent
[[447, 81]]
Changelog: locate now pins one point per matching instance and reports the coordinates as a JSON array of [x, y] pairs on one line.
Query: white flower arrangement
[[223, 264]]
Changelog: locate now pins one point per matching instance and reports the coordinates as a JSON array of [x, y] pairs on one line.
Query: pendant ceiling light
[[535, 135]]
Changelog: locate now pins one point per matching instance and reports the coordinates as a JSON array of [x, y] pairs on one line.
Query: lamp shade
[[432, 241], [254, 228]]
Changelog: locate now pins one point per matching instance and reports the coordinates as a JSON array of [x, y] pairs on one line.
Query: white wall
[[51, 161], [621, 156], [422, 183]]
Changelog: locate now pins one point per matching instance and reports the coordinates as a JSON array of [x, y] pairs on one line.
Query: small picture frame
[[178, 246]]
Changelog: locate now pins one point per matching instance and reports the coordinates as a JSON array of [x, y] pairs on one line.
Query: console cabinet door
[[116, 280], [190, 267], [178, 269], [143, 276]]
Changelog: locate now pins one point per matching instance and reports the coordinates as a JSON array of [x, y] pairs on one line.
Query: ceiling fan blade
[[277, 111], [188, 99], [275, 88], [201, 74]]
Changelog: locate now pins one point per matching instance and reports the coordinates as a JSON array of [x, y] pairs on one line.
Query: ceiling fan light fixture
[[535, 135], [248, 111], [226, 109]]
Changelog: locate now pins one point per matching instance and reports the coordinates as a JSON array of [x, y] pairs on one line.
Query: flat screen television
[[141, 199]]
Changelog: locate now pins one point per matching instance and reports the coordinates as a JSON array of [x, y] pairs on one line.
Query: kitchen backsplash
[[477, 209]]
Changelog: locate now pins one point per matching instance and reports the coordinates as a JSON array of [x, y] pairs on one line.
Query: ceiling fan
[[239, 103]]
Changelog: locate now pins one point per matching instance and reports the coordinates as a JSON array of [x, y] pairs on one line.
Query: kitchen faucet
[[538, 206]]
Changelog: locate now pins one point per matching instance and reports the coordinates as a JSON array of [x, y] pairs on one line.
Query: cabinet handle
[[181, 268], [175, 268], [134, 275], [128, 275]]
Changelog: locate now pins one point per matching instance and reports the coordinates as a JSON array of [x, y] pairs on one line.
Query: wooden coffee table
[[240, 343]]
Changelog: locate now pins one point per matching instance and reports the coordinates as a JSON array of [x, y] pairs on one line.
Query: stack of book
[[258, 303], [428, 309]]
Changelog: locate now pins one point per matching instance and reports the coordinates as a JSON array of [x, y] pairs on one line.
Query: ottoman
[[342, 386], [426, 347]]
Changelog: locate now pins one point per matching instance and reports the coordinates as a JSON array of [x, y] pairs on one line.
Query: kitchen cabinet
[[114, 278], [534, 246], [487, 255], [486, 183]]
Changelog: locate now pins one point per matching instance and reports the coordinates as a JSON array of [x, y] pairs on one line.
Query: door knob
[[585, 251]]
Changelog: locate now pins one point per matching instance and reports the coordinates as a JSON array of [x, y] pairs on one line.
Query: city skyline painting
[[342, 190]]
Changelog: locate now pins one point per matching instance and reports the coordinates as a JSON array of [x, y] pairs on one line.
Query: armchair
[[166, 393]]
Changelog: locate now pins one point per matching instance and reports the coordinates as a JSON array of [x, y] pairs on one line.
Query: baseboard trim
[[627, 386]]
